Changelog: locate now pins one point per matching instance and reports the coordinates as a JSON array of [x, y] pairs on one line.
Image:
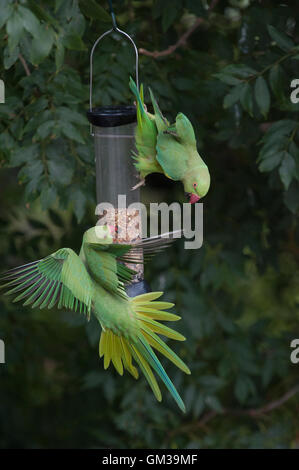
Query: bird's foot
[[140, 183], [144, 105]]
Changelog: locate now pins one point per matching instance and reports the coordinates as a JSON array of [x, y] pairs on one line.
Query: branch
[[253, 412], [24, 63], [181, 41], [274, 404]]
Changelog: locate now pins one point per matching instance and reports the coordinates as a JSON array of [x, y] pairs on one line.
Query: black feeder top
[[112, 116]]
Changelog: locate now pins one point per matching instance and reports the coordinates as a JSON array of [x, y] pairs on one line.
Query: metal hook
[[115, 28]]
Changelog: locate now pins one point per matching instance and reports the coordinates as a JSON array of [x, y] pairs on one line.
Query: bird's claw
[[140, 183]]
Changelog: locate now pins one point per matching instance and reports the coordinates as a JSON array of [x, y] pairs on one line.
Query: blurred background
[[229, 69]]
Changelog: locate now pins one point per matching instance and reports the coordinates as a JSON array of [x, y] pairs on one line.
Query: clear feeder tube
[[114, 164], [115, 177]]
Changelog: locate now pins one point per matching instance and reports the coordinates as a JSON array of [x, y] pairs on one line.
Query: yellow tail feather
[[121, 351], [127, 359], [147, 297]]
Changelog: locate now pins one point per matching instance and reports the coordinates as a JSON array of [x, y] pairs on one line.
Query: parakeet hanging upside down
[[94, 282], [169, 149]]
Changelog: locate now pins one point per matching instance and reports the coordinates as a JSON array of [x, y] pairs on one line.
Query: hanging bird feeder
[[113, 130]]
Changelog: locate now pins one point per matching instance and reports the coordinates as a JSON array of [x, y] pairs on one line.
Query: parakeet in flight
[[169, 148], [94, 282]]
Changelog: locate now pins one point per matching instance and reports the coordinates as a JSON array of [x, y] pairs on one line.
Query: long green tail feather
[[157, 366], [160, 346], [144, 366], [161, 121], [134, 89]]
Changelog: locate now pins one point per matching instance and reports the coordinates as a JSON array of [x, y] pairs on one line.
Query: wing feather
[[60, 277]]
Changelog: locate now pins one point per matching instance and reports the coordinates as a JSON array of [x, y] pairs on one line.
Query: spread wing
[[143, 250], [106, 261], [105, 267], [60, 278]]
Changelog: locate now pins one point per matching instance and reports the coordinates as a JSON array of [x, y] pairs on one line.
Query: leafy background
[[238, 295]]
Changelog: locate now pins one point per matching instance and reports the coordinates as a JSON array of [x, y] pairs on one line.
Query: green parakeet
[[172, 147], [178, 156], [94, 282]]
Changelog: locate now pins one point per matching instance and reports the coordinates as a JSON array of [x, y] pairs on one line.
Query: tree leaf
[[213, 402], [271, 160], [233, 96], [14, 28], [281, 39], [67, 114], [228, 79], [41, 46], [45, 129], [280, 128], [287, 169], [24, 155], [74, 42], [291, 198], [77, 196], [30, 22], [41, 13], [48, 196], [71, 132], [6, 11], [93, 10], [198, 406], [59, 55], [262, 95], [276, 79], [241, 389], [33, 170], [61, 170], [294, 151], [10, 57], [240, 70], [246, 98]]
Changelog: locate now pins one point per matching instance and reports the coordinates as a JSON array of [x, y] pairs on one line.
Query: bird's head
[[197, 185], [99, 234]]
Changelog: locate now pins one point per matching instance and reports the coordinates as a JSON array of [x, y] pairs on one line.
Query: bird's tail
[[120, 350], [140, 100], [161, 121]]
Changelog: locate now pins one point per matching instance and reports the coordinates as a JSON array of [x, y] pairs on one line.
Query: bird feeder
[[113, 130]]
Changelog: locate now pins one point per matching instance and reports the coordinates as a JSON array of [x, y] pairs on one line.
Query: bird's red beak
[[193, 198]]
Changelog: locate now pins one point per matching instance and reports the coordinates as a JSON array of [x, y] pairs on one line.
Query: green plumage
[[94, 282], [145, 137], [168, 148]]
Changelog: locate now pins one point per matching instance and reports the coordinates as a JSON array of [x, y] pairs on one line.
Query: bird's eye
[[194, 185]]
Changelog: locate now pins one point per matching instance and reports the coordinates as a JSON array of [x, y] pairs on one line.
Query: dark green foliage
[[238, 295]]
